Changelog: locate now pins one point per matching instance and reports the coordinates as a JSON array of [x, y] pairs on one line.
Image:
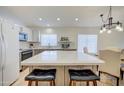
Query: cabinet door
[[29, 32], [36, 36]]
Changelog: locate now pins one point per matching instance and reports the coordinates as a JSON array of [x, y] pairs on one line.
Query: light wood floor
[[105, 80]]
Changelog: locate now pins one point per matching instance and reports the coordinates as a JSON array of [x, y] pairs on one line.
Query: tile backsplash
[[24, 45]]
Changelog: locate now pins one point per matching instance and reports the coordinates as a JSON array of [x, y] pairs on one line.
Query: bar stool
[[41, 75], [83, 75]]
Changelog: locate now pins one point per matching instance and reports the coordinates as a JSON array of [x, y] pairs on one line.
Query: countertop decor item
[[64, 42]]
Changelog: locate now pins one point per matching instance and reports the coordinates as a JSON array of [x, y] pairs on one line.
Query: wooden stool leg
[[36, 83], [54, 83], [99, 73], [70, 83], [74, 83], [87, 83], [97, 67], [121, 72], [51, 83], [117, 81], [94, 83], [29, 83]]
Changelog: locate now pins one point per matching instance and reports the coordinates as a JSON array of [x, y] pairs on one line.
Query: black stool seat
[[83, 75], [43, 75]]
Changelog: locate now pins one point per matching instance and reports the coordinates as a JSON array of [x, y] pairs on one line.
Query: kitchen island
[[62, 61]]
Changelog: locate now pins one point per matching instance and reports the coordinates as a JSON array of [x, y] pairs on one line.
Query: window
[[49, 40], [89, 42]]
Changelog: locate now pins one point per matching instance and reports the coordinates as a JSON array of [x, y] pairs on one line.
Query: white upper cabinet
[[35, 36]]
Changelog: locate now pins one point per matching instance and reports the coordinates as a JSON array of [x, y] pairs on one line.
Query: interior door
[[11, 64]]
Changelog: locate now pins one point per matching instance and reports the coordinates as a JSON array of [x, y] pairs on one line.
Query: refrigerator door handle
[[3, 49]]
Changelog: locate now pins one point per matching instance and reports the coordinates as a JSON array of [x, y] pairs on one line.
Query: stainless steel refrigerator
[[9, 52]]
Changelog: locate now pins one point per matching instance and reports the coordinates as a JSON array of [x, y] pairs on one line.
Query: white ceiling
[[88, 15]]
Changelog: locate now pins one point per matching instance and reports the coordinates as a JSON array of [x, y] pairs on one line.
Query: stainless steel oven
[[25, 54]]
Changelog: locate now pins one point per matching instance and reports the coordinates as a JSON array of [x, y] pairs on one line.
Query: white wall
[[116, 39], [6, 14], [105, 40]]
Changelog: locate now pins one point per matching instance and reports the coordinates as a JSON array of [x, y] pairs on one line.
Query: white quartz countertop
[[53, 48], [62, 58], [45, 48]]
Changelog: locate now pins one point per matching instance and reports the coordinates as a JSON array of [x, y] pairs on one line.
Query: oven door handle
[[27, 52]]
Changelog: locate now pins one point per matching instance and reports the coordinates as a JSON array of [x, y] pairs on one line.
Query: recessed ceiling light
[[58, 19], [76, 19], [48, 25], [40, 19]]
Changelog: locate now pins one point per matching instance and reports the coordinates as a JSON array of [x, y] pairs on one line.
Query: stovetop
[[23, 50]]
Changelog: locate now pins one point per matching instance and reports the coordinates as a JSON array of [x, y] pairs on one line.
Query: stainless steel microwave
[[23, 36]]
